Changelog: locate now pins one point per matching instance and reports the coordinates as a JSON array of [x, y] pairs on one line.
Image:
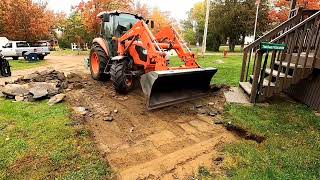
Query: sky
[[177, 8]]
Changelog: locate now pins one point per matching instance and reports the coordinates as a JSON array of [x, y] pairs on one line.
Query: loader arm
[[140, 34], [170, 35]]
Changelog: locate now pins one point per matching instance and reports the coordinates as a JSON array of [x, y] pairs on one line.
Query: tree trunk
[[232, 44], [242, 42]]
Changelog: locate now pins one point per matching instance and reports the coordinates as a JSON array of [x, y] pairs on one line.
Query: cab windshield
[[124, 22]]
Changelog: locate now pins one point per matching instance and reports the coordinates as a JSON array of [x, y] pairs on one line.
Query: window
[[123, 23], [39, 44], [107, 29], [22, 44], [8, 45]]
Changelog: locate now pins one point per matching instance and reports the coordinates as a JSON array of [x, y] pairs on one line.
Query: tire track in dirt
[[164, 144]]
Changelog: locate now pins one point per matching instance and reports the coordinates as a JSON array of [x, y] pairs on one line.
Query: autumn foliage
[[280, 12], [161, 18], [89, 11], [25, 20]]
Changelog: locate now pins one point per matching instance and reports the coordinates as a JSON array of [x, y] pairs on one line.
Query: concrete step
[[246, 86]]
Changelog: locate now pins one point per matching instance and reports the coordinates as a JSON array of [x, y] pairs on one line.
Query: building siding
[[307, 91]]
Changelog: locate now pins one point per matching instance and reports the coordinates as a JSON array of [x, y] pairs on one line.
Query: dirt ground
[[65, 64], [170, 143]]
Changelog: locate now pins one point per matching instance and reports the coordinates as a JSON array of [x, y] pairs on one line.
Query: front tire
[[98, 62], [120, 77]]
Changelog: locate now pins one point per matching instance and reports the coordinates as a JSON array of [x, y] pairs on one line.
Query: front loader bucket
[[165, 88]]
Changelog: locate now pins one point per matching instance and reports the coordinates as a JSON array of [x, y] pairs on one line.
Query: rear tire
[[5, 69], [98, 61], [41, 57], [15, 57], [122, 82]]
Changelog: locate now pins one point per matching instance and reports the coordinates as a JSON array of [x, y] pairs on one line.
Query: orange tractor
[[127, 50]]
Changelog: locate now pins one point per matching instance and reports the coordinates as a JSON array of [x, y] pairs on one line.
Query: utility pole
[[256, 21], [255, 26], [204, 43]]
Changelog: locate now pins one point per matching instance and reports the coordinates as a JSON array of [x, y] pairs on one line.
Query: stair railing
[[305, 37], [302, 30], [253, 47], [259, 88]]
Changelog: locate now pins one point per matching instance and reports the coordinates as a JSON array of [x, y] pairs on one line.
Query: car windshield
[[125, 21]]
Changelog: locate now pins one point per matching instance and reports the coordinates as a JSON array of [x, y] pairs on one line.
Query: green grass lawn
[[69, 52], [229, 68], [237, 49], [22, 64], [292, 147], [38, 142]]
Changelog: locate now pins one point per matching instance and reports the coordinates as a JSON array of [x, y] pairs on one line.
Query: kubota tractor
[[127, 50]]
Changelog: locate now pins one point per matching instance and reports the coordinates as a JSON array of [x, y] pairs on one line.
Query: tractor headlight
[[145, 52]]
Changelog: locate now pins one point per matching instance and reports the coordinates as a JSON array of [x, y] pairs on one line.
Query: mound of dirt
[[41, 85]]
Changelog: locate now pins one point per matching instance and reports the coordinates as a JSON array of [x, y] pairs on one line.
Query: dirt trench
[[170, 143]]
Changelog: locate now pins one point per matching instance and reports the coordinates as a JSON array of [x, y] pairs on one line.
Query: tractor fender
[[119, 58], [103, 44], [122, 58]]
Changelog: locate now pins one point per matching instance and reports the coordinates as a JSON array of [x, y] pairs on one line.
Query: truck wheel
[[5, 69], [41, 57], [120, 77], [15, 57], [98, 62]]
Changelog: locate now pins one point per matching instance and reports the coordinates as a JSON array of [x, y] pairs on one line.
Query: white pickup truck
[[16, 49]]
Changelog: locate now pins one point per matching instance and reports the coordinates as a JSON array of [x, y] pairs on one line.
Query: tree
[[234, 19], [74, 31], [89, 11], [161, 19], [280, 12], [25, 20], [142, 9], [193, 26]]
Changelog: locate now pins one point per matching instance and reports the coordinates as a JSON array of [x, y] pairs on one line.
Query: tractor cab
[[114, 25]]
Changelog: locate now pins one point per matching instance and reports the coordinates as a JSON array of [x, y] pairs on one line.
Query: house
[[294, 70], [3, 41]]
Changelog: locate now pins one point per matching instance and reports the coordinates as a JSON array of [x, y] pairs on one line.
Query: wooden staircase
[[266, 73]]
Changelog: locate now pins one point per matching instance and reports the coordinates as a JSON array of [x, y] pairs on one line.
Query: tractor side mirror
[[106, 18], [152, 24]]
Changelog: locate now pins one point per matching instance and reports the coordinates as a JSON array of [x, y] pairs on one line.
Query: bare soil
[[66, 64], [168, 143]]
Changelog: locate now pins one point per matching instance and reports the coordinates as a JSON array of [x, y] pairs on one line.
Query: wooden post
[[292, 7], [256, 77], [244, 64]]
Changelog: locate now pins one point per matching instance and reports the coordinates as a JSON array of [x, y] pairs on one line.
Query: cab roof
[[117, 12]]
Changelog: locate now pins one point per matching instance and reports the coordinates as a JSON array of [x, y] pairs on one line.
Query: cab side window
[[22, 44], [8, 45], [108, 29]]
